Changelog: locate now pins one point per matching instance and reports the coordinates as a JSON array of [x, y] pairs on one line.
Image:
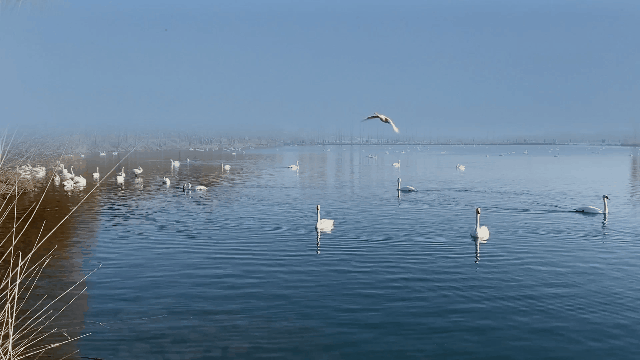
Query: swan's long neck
[[318, 215], [477, 221], [606, 208], [398, 183]]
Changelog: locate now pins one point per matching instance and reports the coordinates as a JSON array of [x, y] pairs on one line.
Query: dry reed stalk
[[26, 330]]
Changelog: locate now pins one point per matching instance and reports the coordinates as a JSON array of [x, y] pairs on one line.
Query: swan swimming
[[68, 184], [166, 180], [121, 173], [397, 164], [225, 167], [323, 224], [80, 180], [201, 188], [594, 210], [294, 167], [137, 171], [460, 167], [186, 187], [119, 178], [175, 163], [103, 153], [481, 233], [96, 175], [405, 188], [384, 119]]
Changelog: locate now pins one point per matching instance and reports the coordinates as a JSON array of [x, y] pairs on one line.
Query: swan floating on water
[[460, 167], [103, 153], [225, 167], [121, 173], [323, 224], [166, 180], [175, 163], [201, 188], [480, 233], [384, 119], [293, 167], [397, 164], [186, 187], [68, 184], [137, 171], [405, 188], [96, 175], [595, 210]]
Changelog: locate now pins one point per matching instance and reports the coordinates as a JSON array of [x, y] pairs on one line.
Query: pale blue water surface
[[238, 272]]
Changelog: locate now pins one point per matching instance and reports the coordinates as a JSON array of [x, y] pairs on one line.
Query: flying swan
[[384, 119]]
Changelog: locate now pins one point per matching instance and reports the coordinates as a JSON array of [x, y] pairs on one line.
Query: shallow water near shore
[[239, 270]]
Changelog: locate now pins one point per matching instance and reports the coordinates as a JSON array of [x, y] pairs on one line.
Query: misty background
[[463, 69]]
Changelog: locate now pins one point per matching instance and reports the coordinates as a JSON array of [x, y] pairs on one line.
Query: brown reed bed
[[29, 317]]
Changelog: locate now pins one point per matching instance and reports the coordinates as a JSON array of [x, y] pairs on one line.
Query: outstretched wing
[[393, 125], [372, 117]]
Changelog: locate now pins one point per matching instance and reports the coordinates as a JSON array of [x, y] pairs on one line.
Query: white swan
[[201, 188], [65, 173], [405, 188], [166, 180], [225, 167], [137, 171], [115, 153], [96, 175], [397, 164], [56, 179], [39, 171], [68, 184], [460, 167], [293, 167], [384, 119], [186, 187], [121, 173], [323, 224], [103, 153], [80, 180], [481, 233], [175, 163], [594, 210], [119, 178]]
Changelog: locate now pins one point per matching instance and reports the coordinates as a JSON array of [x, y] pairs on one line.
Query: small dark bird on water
[[384, 119]]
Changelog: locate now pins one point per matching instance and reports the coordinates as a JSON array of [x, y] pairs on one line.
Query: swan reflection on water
[[478, 241], [318, 241]]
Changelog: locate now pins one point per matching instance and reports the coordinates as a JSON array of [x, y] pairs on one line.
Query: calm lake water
[[238, 271]]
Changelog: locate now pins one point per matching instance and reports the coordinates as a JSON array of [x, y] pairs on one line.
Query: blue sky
[[438, 68]]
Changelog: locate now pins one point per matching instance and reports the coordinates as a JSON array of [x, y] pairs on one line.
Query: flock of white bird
[[71, 181], [480, 233]]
